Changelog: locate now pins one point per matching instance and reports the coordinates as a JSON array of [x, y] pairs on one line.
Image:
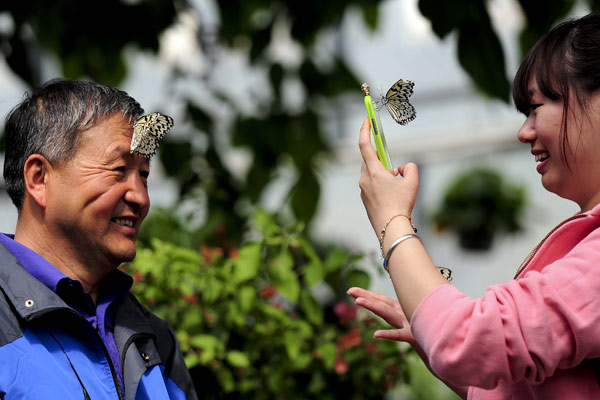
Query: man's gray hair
[[50, 121]]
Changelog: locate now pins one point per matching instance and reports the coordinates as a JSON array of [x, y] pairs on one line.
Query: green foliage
[[479, 203], [88, 38], [541, 16], [479, 50], [269, 320]]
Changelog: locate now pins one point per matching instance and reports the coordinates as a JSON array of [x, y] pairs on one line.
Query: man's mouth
[[123, 221]]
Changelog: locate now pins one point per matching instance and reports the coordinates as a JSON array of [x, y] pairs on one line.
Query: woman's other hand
[[388, 309]]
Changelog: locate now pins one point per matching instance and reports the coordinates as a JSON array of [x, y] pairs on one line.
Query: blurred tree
[[93, 43], [478, 48]]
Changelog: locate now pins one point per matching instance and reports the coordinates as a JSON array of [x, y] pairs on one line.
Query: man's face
[[97, 201]]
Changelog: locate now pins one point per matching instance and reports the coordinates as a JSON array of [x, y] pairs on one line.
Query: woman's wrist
[[396, 228], [382, 234]]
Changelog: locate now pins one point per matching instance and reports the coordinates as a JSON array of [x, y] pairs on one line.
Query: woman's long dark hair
[[565, 62]]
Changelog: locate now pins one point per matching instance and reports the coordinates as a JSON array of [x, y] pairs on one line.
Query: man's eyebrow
[[123, 153]]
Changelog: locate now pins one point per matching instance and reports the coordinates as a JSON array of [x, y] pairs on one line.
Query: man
[[69, 329]]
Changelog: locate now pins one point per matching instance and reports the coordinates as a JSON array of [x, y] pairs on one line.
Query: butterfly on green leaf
[[396, 102], [147, 132]]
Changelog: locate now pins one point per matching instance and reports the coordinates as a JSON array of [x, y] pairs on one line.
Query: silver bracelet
[[393, 246]]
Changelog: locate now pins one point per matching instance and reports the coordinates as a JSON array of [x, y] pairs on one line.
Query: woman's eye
[[145, 174], [120, 169], [532, 107]]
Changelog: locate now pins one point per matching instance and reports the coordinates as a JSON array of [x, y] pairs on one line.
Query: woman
[[533, 337]]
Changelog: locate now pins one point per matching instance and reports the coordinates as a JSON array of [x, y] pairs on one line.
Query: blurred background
[[257, 226]]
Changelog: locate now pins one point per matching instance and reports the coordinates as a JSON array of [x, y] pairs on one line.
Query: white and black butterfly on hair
[[147, 132], [396, 101]]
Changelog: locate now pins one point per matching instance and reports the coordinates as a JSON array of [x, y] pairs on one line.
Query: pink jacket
[[531, 337]]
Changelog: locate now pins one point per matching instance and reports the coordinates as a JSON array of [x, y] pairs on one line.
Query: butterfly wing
[[397, 104], [147, 132], [446, 273], [159, 125]]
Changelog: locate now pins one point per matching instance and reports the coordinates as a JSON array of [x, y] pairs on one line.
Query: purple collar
[[50, 276]]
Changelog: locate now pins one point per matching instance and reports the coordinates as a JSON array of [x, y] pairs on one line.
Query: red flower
[[191, 298], [346, 312], [268, 291], [210, 253], [371, 348], [138, 276], [350, 339], [340, 366], [209, 317], [234, 253]]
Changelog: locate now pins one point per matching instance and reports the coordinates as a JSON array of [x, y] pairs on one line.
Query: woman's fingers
[[364, 144], [368, 294], [391, 314], [410, 173], [401, 335]]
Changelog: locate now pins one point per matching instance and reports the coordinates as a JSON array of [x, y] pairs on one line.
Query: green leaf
[[359, 279], [293, 343], [327, 352], [480, 54], [313, 310], [238, 359], [226, 380], [283, 276], [371, 15], [302, 361], [247, 263], [445, 15], [212, 290], [314, 273], [209, 346], [335, 260], [246, 296]]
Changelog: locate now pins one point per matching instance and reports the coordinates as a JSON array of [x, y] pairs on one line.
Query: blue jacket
[[48, 351]]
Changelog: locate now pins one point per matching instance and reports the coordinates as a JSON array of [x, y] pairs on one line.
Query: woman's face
[[580, 180]]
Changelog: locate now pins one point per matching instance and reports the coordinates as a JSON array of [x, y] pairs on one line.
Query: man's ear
[[36, 174]]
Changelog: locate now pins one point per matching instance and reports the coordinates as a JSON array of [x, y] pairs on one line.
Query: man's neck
[[62, 257]]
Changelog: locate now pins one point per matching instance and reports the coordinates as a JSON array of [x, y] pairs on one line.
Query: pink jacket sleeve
[[523, 329]]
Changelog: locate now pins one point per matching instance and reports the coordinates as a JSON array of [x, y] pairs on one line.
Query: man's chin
[[123, 256]]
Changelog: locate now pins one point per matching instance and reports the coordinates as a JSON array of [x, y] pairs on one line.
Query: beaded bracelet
[[382, 236], [393, 246]]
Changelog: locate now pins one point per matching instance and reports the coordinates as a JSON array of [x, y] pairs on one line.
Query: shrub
[[270, 320]]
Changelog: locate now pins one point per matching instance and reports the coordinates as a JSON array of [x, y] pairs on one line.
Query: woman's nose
[[527, 132]]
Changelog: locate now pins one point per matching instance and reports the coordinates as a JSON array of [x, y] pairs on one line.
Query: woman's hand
[[382, 193], [391, 311], [388, 309]]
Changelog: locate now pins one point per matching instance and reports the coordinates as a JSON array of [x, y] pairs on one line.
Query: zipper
[[536, 248]]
